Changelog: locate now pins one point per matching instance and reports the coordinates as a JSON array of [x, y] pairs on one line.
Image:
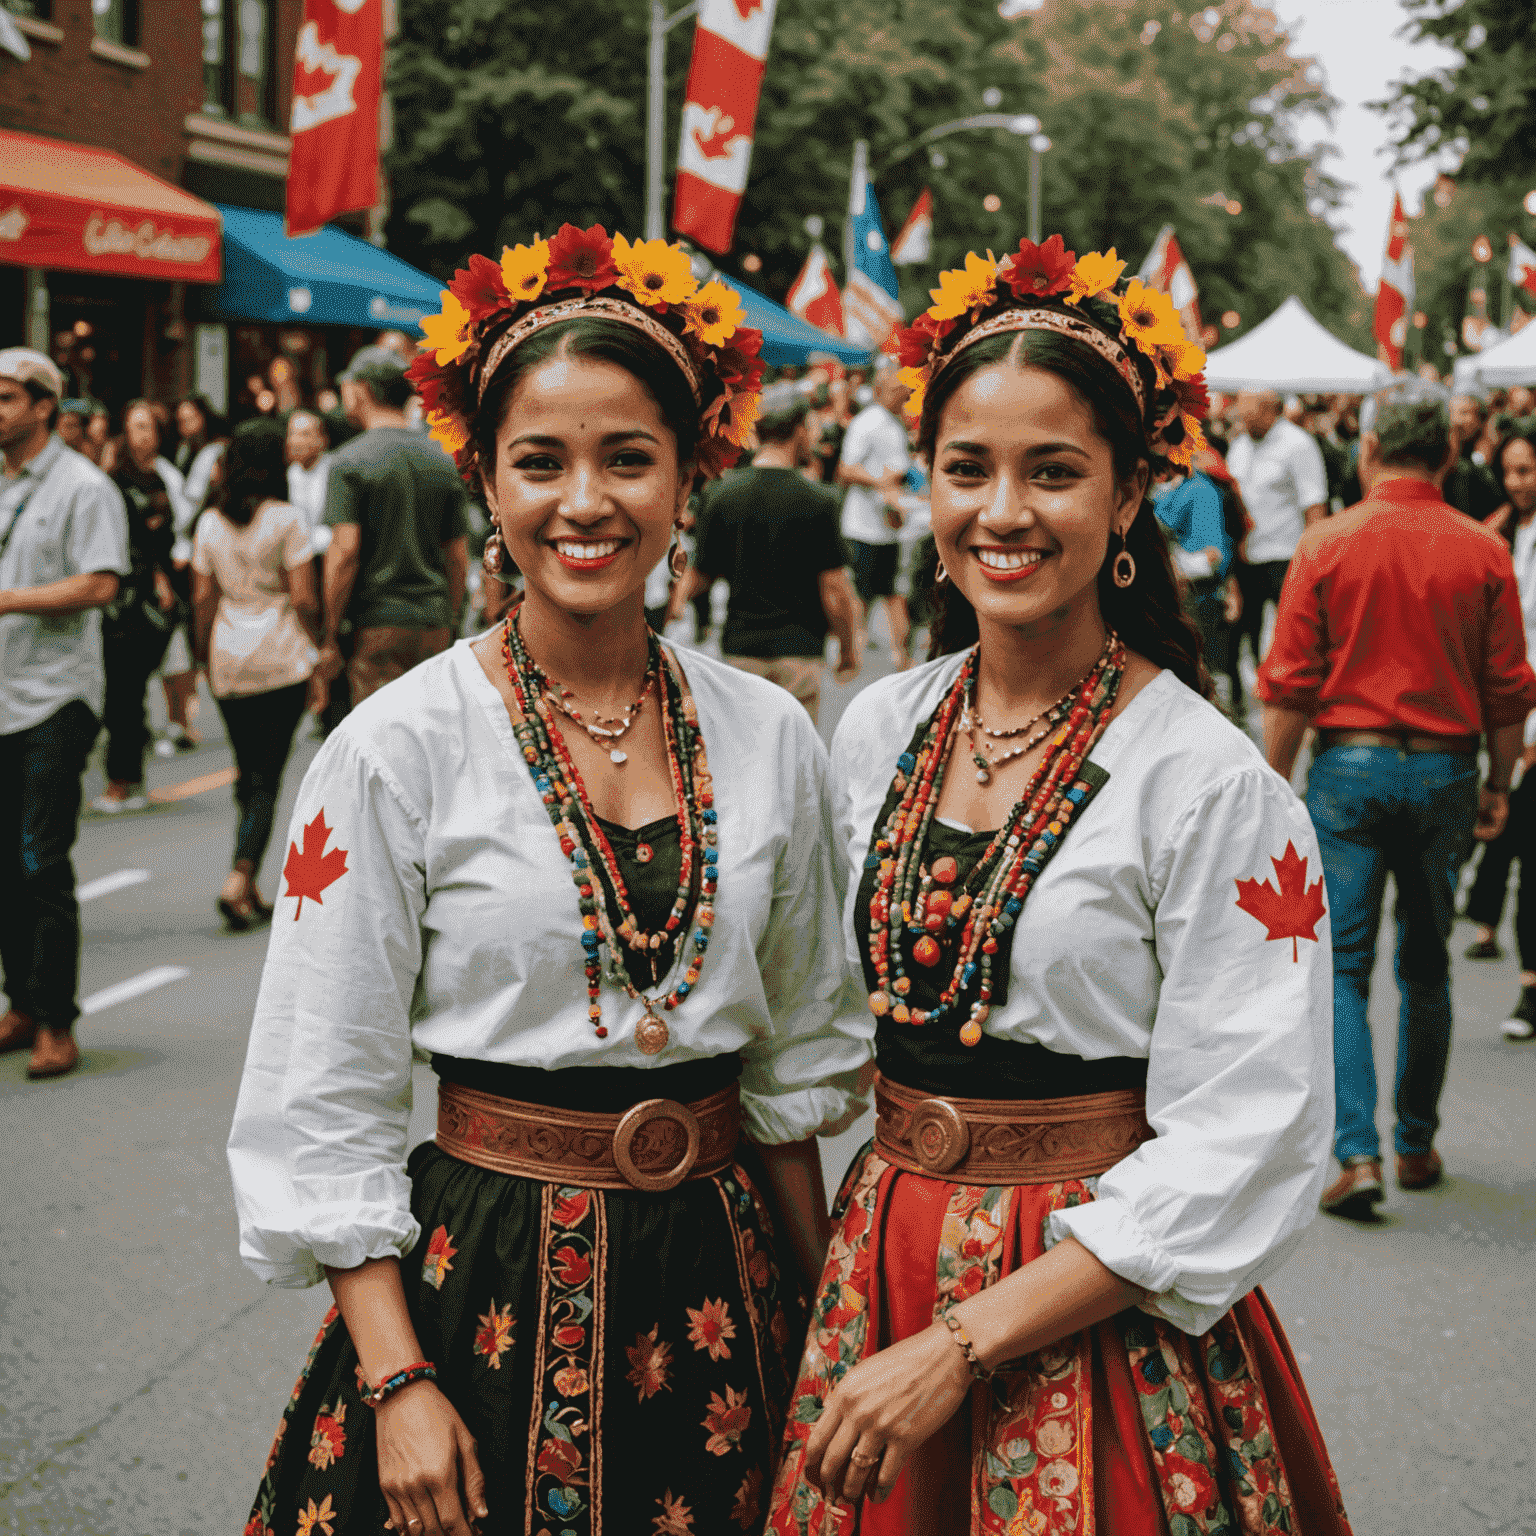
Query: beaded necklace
[[913, 899], [564, 795]]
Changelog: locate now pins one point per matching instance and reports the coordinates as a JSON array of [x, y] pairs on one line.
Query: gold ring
[[866, 1461]]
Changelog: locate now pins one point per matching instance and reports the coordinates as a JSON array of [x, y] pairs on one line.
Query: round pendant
[[644, 852], [618, 757], [652, 1035], [983, 775]]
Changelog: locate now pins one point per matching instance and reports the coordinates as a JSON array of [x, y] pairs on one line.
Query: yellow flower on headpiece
[[744, 409], [655, 272], [448, 333], [1095, 273], [1149, 317], [1194, 441], [964, 289], [524, 269], [447, 430], [713, 314], [914, 380], [1181, 359]]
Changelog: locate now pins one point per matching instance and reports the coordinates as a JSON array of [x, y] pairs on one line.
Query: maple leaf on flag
[[308, 873], [745, 8], [1291, 912]]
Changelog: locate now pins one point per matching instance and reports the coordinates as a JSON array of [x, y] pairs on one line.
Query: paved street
[[142, 1369]]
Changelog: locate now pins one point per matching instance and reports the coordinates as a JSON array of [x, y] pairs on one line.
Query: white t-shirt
[[1280, 476], [877, 443], [455, 928], [1132, 943], [258, 643], [306, 490]]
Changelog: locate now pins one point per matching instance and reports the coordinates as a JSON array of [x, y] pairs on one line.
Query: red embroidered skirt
[[1129, 1428]]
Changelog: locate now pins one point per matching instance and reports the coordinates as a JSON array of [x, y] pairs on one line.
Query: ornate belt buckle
[[633, 1122], [939, 1135]]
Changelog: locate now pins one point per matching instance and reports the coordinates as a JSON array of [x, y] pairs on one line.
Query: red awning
[[89, 210]]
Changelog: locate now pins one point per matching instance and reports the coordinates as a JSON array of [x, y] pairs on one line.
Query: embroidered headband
[[1045, 287], [648, 285]]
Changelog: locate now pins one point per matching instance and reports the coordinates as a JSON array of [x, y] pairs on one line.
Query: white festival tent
[[1292, 353], [1511, 361]]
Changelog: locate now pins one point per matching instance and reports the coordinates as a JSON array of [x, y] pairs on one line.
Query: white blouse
[[454, 928], [1132, 943]]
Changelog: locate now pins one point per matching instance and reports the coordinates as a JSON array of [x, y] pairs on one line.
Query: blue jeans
[[1378, 809]]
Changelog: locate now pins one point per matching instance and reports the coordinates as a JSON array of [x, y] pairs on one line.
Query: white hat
[[28, 367]]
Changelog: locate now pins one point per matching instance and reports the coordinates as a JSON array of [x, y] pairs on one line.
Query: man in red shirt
[[1399, 640]]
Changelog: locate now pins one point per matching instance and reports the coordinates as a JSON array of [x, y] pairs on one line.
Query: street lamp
[[1039, 143]]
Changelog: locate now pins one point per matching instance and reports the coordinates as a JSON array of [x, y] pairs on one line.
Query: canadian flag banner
[[814, 296], [1522, 265], [915, 242], [1166, 270], [1394, 294], [338, 71], [729, 49]]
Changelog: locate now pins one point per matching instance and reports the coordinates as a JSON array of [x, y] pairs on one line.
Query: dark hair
[[255, 470], [1411, 423], [41, 392], [609, 341], [213, 422], [1148, 614], [1522, 429]]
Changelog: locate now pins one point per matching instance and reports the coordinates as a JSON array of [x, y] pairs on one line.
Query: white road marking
[[118, 880], [135, 986]]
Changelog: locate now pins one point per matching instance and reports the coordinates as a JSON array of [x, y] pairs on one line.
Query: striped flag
[[814, 296], [730, 45], [870, 307], [1394, 294], [1522, 265], [1166, 270], [915, 242]]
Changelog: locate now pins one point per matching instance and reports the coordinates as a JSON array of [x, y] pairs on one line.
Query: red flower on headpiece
[[917, 341], [1037, 271], [481, 289], [714, 456], [741, 369], [581, 259], [1194, 399]]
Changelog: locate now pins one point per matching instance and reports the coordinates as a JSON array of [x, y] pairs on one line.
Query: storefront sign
[[111, 237]]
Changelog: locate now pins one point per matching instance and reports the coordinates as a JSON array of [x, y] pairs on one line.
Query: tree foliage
[[511, 119]]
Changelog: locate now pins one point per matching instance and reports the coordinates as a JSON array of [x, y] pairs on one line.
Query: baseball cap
[[783, 405], [374, 365], [25, 366]]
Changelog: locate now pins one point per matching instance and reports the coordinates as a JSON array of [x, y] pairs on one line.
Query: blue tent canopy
[[787, 339], [329, 278]]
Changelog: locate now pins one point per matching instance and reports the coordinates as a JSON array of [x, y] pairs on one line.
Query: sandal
[[238, 915]]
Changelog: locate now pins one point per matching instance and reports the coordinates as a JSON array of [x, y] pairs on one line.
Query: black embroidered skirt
[[623, 1359]]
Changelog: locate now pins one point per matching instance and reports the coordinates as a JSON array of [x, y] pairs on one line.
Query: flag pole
[[656, 113], [857, 191], [1507, 307]]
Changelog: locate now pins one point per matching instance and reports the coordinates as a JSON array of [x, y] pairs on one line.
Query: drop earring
[[1124, 568], [941, 575], [494, 557], [677, 557]]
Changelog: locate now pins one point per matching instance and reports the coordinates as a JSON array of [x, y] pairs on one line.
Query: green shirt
[[403, 492]]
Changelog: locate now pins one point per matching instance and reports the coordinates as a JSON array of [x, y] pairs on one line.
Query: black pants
[[1205, 603], [1485, 905], [134, 650], [260, 727], [40, 772], [1259, 584]]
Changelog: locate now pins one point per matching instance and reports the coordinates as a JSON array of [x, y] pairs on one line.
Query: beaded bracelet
[[421, 1370], [963, 1339]]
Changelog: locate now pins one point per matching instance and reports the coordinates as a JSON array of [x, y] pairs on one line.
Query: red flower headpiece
[[491, 308]]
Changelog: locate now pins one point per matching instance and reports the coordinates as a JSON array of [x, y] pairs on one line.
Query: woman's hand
[[428, 1471], [881, 1411], [165, 593]]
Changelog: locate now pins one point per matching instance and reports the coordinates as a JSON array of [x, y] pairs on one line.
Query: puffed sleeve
[[317, 1150], [810, 1075], [1240, 1076]]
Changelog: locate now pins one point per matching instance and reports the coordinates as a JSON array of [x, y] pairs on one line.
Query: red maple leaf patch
[[1291, 912], [308, 873]]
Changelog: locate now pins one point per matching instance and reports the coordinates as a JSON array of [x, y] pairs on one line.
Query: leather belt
[[1007, 1141], [1400, 741], [653, 1146]]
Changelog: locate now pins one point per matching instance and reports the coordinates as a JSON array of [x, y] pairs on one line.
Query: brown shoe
[[1356, 1190], [17, 1031], [54, 1054], [1419, 1170]]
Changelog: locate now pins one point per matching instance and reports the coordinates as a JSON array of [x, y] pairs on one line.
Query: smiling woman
[[596, 884]]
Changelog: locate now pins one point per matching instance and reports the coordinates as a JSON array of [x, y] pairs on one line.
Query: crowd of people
[[1031, 507]]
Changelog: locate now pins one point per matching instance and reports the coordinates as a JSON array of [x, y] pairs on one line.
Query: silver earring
[[940, 576], [1124, 568], [494, 559]]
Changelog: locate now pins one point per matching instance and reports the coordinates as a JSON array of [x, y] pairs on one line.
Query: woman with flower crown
[[1090, 924], [593, 882]]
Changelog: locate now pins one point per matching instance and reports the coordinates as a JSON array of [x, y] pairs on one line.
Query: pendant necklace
[[604, 730]]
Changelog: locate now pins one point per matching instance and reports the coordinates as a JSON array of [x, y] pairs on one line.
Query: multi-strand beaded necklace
[[582, 838], [913, 899]]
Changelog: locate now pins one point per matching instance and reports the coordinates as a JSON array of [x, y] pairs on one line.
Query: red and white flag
[[1522, 265], [915, 242], [729, 49], [1395, 293], [814, 296], [338, 73], [1166, 270]]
